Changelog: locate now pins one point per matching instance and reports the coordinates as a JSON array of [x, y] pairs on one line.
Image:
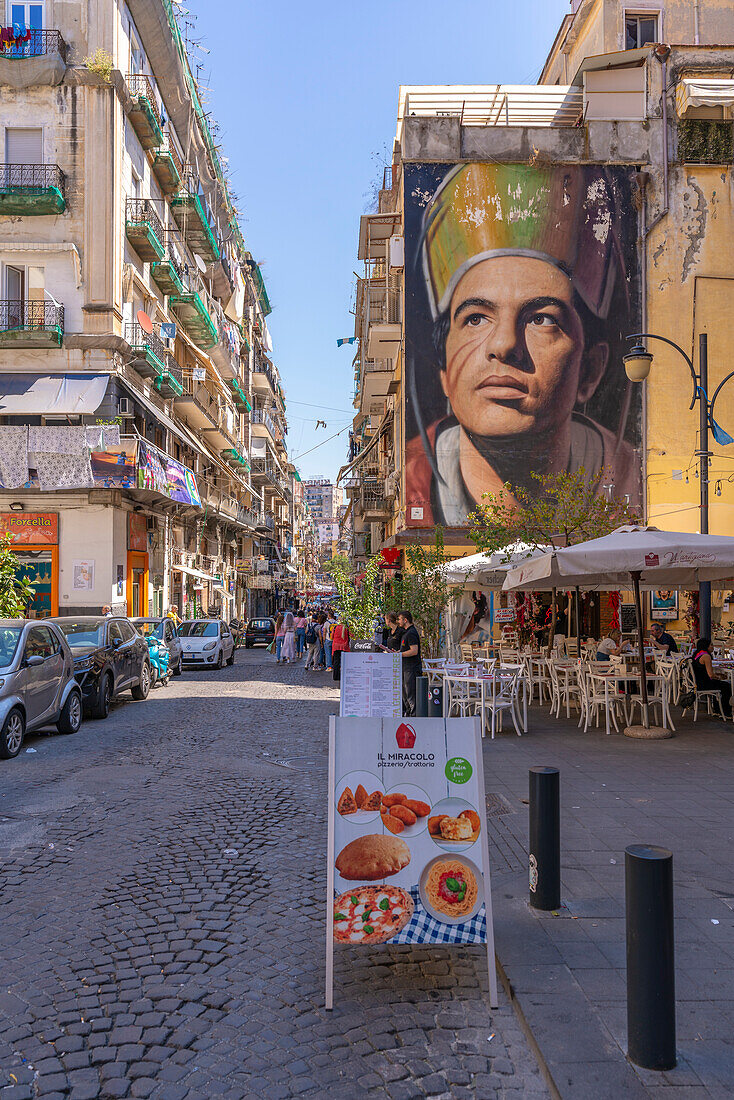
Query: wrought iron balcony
[[31, 189], [144, 229], [190, 210], [194, 316], [30, 43], [148, 351], [31, 324], [169, 382], [144, 114], [168, 273], [167, 165]]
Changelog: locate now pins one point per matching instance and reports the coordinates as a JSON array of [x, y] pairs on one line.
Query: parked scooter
[[159, 659]]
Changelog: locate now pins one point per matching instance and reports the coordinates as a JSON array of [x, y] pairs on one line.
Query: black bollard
[[421, 697], [545, 838], [648, 880], [435, 701]]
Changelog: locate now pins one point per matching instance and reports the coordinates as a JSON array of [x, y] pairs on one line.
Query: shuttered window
[[23, 146]]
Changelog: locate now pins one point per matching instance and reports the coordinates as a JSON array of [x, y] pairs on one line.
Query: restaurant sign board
[[30, 528], [407, 859]]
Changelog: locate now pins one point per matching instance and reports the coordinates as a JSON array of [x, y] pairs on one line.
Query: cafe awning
[[51, 394], [714, 91], [194, 573]]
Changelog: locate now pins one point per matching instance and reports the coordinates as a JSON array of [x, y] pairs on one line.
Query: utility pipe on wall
[[697, 22]]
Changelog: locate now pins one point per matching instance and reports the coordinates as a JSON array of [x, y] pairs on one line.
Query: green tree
[[424, 591], [359, 603], [15, 593], [564, 509]]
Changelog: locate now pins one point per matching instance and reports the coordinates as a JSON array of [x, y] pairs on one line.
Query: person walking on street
[[300, 625], [289, 640], [410, 647], [279, 636], [339, 645], [328, 632], [321, 621], [312, 643]]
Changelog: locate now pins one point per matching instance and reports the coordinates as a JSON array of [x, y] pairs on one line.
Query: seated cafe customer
[[703, 670], [661, 640], [612, 646]]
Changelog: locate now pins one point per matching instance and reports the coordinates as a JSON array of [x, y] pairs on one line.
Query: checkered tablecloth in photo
[[423, 928]]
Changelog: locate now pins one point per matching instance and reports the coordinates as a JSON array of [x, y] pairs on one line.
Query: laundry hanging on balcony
[[59, 440], [13, 455], [57, 471]]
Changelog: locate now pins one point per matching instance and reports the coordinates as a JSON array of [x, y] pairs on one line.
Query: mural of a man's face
[[516, 362]]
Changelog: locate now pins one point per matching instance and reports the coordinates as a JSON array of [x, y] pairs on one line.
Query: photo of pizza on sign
[[407, 843]]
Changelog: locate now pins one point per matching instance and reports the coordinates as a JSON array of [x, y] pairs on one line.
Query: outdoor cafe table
[[617, 677], [483, 679]]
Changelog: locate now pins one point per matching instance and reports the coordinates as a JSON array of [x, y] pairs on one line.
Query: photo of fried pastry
[[372, 858], [371, 914], [359, 797], [454, 824], [405, 809]]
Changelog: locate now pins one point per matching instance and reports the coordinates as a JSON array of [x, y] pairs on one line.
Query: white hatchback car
[[206, 642]]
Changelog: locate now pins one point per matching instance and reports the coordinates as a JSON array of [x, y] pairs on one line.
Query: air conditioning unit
[[125, 407]]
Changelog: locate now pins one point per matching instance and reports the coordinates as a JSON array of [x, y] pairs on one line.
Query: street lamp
[[637, 364]]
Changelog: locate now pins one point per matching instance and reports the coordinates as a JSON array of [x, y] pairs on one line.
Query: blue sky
[[306, 98]]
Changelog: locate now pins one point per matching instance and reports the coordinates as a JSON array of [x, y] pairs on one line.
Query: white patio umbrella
[[631, 557], [488, 570]]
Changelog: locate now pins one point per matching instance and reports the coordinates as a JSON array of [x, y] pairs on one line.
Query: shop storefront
[[35, 542], [137, 564]]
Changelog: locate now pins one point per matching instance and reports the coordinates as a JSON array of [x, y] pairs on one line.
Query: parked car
[[259, 631], [206, 642], [37, 684], [165, 631], [109, 657]]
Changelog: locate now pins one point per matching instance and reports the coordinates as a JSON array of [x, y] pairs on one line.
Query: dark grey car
[[37, 684]]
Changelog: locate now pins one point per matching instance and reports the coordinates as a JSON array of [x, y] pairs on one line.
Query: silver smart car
[[37, 685]]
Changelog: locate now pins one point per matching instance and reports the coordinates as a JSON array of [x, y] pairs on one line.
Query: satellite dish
[[145, 322], [199, 263]]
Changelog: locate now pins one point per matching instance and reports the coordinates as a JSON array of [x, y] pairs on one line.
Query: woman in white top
[[288, 652], [611, 647]]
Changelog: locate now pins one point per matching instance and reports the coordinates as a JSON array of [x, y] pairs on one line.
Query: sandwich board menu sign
[[371, 685], [408, 859]]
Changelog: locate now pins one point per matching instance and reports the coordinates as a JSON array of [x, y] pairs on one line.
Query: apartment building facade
[[320, 497], [143, 457], [599, 202]]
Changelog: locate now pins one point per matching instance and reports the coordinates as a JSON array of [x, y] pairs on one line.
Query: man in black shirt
[[410, 647], [662, 640]]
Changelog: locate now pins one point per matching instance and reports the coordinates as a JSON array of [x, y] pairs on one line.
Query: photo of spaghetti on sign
[[408, 856]]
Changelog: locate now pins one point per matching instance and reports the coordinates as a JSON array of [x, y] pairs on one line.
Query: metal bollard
[[648, 881], [421, 697], [545, 838], [435, 702]]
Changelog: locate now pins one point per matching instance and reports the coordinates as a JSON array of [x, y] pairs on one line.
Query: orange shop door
[[137, 584]]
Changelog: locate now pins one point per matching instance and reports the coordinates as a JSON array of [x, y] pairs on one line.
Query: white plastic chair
[[502, 694]]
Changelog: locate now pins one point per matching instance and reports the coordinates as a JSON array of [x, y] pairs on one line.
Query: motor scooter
[[159, 660]]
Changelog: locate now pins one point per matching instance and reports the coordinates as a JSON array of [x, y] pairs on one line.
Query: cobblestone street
[[162, 918]]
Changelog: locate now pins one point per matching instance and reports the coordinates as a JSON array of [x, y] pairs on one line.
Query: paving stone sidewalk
[[162, 881], [568, 970]]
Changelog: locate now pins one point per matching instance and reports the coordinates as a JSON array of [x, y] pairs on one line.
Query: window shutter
[[24, 146]]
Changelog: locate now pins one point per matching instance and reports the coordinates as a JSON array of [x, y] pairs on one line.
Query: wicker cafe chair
[[688, 684]]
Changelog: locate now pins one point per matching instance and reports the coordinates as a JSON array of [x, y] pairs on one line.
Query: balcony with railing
[[226, 352], [144, 115], [263, 377], [191, 212], [27, 189], [204, 411], [30, 57], [191, 311], [144, 229], [148, 352], [31, 324], [520, 105], [169, 383], [262, 422], [168, 273], [267, 472], [167, 165], [375, 505]]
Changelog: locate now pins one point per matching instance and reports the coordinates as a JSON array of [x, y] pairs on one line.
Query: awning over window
[[223, 592], [715, 91], [56, 394], [194, 573]]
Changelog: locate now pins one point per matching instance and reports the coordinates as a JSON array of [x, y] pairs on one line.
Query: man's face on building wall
[[515, 359]]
